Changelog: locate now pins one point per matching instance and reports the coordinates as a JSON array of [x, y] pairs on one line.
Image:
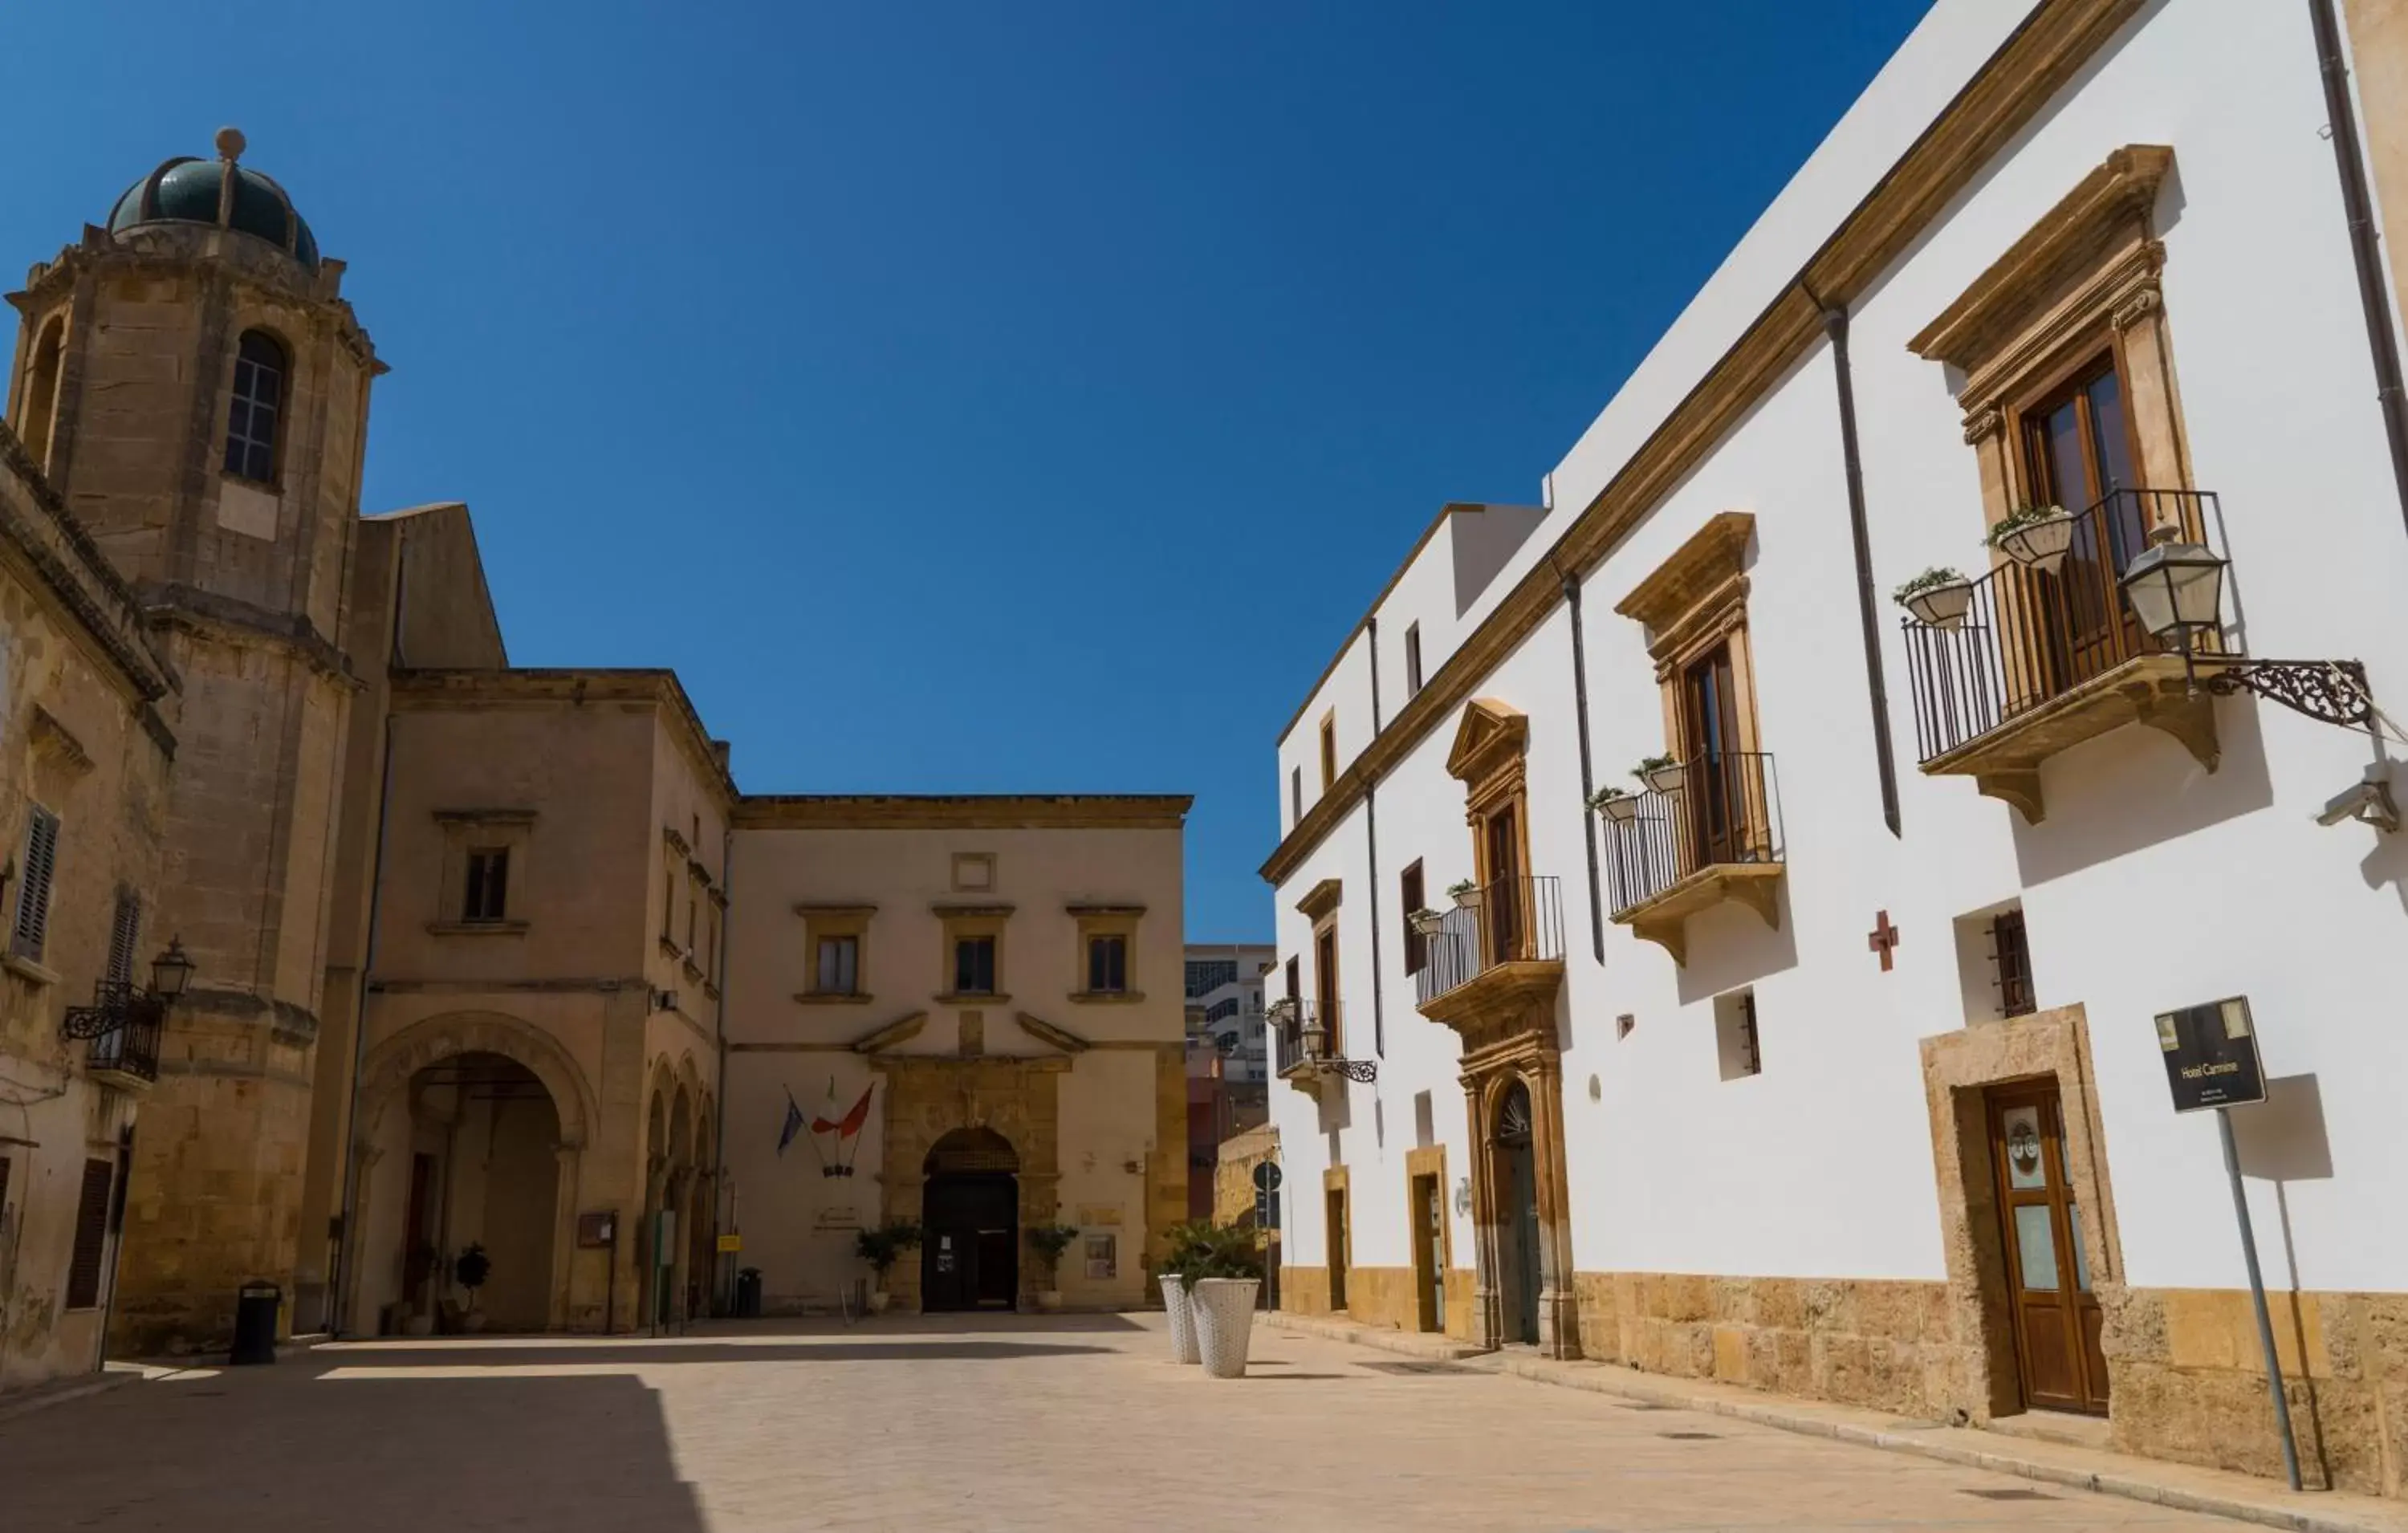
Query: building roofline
[[572, 687], [982, 812]]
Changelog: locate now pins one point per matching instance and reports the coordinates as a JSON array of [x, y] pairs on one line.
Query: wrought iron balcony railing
[[1719, 810], [1310, 1044], [2031, 635], [122, 1024], [1507, 921]]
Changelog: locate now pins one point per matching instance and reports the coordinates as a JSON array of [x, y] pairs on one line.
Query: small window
[[668, 905], [1412, 658], [42, 394], [125, 932], [1735, 1040], [838, 968], [2013, 952], [1107, 965], [259, 370], [1293, 992], [1328, 752], [1294, 797], [489, 886], [693, 913], [1412, 897], [91, 1236], [33, 873], [974, 966]]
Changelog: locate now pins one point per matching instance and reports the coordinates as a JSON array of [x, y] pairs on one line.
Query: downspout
[[1372, 835], [2360, 210], [346, 1253], [1588, 773], [1835, 324]]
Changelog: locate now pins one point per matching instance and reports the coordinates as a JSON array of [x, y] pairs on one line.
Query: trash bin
[[748, 1294], [255, 1324]]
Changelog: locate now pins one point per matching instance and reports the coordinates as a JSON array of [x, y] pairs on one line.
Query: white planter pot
[[2039, 545], [1620, 810], [878, 1302], [1944, 605], [1665, 779], [1049, 1299], [1225, 1324], [473, 1322], [1176, 1302]]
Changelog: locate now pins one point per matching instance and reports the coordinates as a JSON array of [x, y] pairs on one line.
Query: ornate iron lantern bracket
[[1361, 1071], [2329, 691], [114, 1003]]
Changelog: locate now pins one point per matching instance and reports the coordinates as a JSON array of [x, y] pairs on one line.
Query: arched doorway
[[1517, 1208], [969, 1215], [475, 1160]]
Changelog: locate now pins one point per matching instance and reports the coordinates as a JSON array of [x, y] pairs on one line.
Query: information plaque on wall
[[2212, 1055]]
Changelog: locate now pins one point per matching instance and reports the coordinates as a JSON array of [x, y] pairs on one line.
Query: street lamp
[[2176, 588], [171, 973]]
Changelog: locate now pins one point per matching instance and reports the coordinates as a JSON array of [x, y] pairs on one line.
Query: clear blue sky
[[969, 397]]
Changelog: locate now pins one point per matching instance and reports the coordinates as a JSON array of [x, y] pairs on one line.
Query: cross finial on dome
[[231, 144]]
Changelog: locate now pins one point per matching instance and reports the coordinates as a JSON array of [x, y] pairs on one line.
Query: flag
[[851, 1123], [793, 1124]]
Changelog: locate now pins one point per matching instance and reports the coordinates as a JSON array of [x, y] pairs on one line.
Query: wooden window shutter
[[124, 936], [90, 1235], [34, 888]]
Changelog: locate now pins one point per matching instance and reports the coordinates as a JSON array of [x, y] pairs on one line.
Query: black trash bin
[[255, 1324], [748, 1294]]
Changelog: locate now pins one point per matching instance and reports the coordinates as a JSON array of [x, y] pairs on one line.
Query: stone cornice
[[962, 811], [521, 686], [60, 555], [2004, 94]]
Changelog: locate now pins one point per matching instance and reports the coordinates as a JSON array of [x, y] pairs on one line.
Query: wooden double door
[[2057, 1315], [969, 1251]]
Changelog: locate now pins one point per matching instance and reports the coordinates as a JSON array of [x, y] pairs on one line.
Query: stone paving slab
[[1051, 1422], [2239, 1496]]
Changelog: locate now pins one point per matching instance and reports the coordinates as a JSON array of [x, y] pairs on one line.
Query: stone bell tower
[[198, 389]]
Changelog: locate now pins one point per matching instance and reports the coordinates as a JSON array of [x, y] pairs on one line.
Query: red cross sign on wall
[[1883, 940]]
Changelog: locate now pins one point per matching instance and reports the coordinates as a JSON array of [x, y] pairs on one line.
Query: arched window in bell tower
[[259, 374], [41, 397]]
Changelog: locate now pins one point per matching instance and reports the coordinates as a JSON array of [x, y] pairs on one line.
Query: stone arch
[[384, 1075]]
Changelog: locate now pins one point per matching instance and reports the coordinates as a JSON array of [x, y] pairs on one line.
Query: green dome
[[187, 191]]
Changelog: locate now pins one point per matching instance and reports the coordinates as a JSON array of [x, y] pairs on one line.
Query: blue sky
[[970, 398]]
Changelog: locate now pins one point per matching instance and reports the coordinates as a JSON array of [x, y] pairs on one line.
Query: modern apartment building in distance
[[1840, 1048], [1228, 1064]]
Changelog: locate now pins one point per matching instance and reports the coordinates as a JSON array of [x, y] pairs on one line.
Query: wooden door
[[1713, 794], [1429, 1253], [1336, 1235], [1501, 853], [2077, 446], [418, 1233], [2057, 1316], [1324, 987]]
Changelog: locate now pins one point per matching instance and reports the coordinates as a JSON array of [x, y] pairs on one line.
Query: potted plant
[[1938, 596], [469, 1269], [1223, 1284], [1661, 773], [1426, 922], [1181, 1259], [2035, 537], [1051, 1241], [1466, 892], [881, 1248], [1616, 804]]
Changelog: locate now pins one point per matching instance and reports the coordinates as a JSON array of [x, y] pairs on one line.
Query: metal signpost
[[1266, 1219], [2212, 1063]]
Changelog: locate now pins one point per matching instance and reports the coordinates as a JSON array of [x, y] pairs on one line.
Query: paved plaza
[[1058, 1422]]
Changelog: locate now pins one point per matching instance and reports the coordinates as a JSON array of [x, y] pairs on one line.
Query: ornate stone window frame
[[1320, 907], [478, 830], [821, 921], [1491, 757], [1694, 600], [1105, 921], [970, 920]]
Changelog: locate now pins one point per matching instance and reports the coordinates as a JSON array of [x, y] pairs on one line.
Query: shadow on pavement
[[600, 1354]]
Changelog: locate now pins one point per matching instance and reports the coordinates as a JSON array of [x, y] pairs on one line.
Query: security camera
[[2369, 800]]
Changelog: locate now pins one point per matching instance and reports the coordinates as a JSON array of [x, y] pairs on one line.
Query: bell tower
[[196, 388]]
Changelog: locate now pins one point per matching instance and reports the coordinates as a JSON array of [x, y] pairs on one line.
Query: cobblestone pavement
[[1053, 1421]]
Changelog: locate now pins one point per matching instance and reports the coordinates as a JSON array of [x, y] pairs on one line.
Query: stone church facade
[[336, 943]]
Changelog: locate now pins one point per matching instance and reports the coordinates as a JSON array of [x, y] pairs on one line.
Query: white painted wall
[[2152, 884]]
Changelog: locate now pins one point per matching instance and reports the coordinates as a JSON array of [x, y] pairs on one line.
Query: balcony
[[1493, 960], [1310, 1051], [1708, 834], [2044, 659], [124, 1024]]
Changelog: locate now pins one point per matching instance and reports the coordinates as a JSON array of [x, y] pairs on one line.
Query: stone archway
[[448, 1069], [1520, 1194], [969, 1200]]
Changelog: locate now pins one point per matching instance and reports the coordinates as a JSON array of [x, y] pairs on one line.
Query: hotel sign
[[2211, 1055]]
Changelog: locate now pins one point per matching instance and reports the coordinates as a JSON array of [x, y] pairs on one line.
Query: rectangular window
[[1107, 965], [974, 966], [1328, 752], [2014, 953], [488, 884], [1412, 658], [1410, 895], [91, 1236], [1735, 1040], [125, 932], [1294, 797], [1293, 993], [838, 968], [34, 876]]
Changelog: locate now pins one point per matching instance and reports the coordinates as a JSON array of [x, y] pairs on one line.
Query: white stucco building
[[1832, 1068]]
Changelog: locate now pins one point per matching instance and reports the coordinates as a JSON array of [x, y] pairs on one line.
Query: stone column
[[559, 1312], [1558, 1301], [355, 1231], [1486, 1330]]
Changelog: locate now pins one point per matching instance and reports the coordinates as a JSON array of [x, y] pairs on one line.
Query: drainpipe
[[1835, 324], [1371, 834], [346, 1255], [1588, 771], [2360, 210]]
